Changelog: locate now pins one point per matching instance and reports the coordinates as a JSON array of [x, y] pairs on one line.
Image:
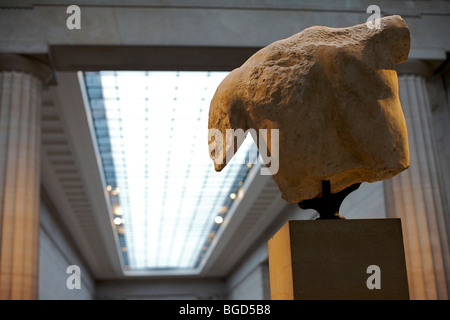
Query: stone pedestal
[[20, 102], [338, 259]]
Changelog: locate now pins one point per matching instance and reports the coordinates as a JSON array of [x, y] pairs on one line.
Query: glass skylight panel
[[152, 132]]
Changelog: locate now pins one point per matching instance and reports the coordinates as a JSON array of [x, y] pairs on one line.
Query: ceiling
[[74, 177], [151, 129]]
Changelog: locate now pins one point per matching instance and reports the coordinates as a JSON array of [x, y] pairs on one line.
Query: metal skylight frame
[[167, 224]]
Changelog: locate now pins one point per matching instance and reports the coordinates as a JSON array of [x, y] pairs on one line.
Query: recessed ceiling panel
[[152, 133]]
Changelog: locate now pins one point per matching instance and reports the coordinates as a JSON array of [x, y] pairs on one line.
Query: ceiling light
[[241, 193], [233, 196], [218, 219], [223, 209], [118, 221]]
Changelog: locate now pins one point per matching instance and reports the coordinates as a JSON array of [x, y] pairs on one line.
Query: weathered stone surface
[[333, 95]]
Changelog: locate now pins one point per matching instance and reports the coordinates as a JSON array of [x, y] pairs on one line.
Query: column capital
[[415, 67], [27, 64]]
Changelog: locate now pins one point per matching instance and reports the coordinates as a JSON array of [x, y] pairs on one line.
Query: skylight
[[167, 200]]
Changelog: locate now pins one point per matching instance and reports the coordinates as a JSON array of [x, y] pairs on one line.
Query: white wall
[[366, 202], [250, 280], [161, 289], [255, 285], [56, 253]]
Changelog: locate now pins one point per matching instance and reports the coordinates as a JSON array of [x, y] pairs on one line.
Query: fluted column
[[20, 101], [414, 195]]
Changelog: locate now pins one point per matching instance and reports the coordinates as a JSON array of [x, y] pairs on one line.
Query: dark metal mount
[[329, 203]]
